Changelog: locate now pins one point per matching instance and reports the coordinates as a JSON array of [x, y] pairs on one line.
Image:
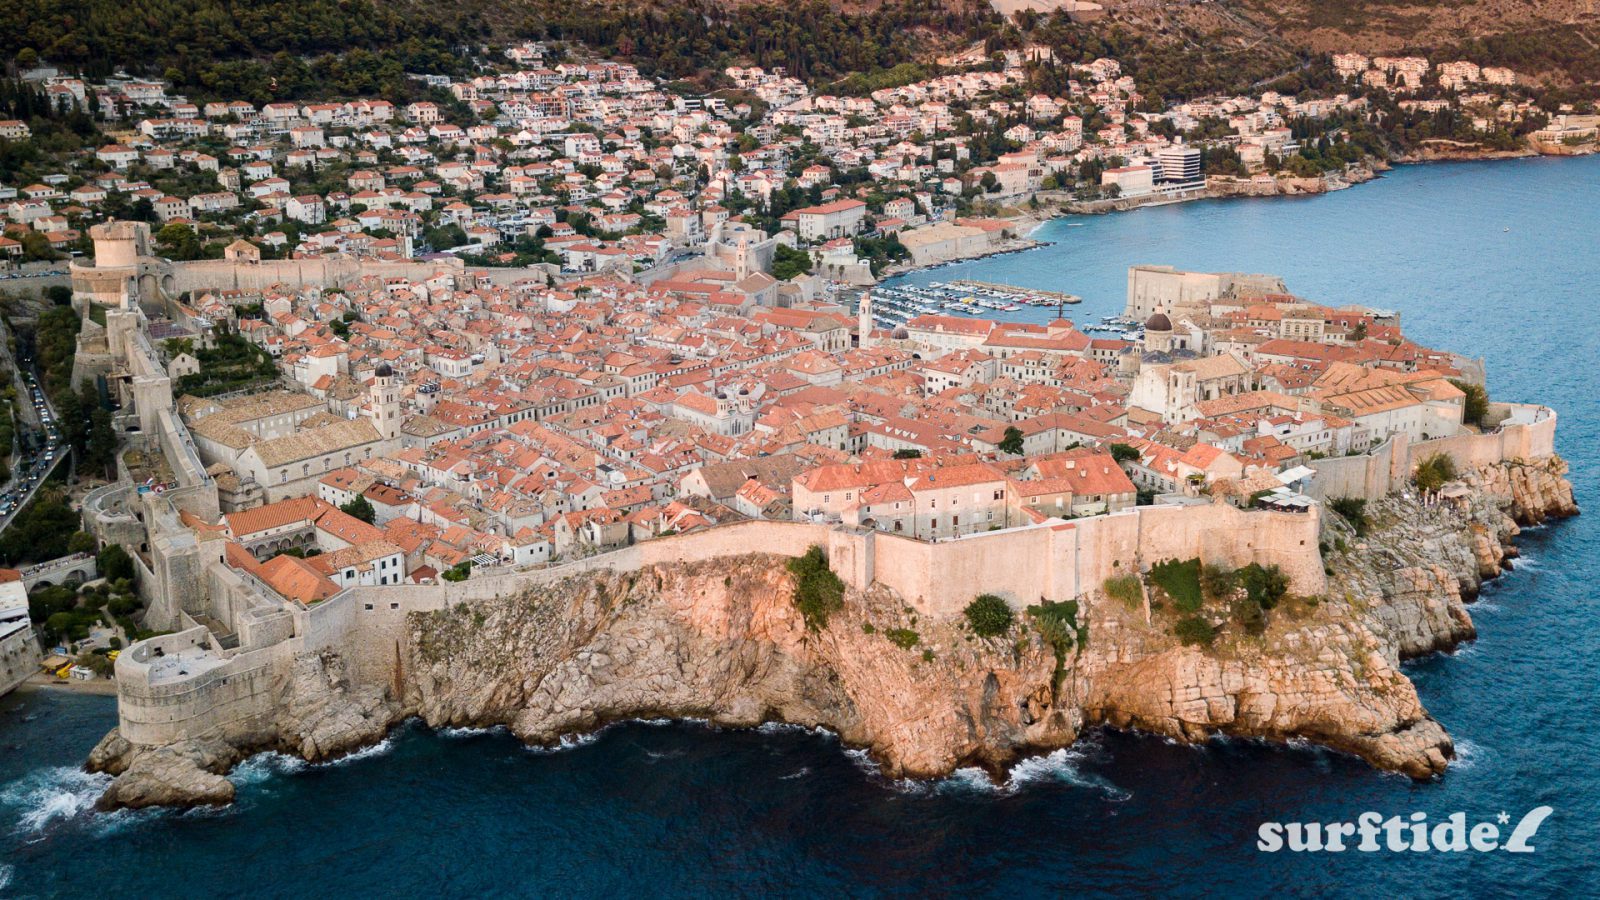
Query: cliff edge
[[723, 640]]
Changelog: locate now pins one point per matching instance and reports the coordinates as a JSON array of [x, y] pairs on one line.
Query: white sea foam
[[48, 795], [379, 749], [1468, 755], [7, 872], [263, 766], [803, 772], [569, 742], [456, 733]]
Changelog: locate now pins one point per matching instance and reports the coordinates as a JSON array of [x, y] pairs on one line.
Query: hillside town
[[577, 167]]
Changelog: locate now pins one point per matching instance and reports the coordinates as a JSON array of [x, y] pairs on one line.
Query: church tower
[[384, 402], [741, 259], [864, 321]]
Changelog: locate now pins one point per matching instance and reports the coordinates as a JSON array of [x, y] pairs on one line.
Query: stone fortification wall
[[217, 274], [19, 658], [158, 706], [1523, 431]]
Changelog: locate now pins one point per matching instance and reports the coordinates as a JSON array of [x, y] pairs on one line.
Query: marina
[[894, 306]]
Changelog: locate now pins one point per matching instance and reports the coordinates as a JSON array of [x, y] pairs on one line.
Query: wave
[[368, 752], [456, 733], [7, 872], [48, 795], [1468, 755], [263, 766], [801, 773]]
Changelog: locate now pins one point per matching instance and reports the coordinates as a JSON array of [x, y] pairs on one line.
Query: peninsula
[[357, 491]]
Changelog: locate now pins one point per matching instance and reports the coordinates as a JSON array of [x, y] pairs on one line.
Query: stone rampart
[[1521, 431]]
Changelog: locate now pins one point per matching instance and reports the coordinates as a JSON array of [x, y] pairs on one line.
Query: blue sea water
[[1496, 259]]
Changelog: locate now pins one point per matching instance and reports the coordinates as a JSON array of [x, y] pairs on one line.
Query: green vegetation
[[1194, 631], [1264, 586], [1012, 441], [1124, 453], [1218, 583], [1057, 625], [818, 593], [361, 508], [461, 571], [989, 615], [1180, 581], [232, 364], [788, 263], [904, 638], [115, 564], [55, 342], [1125, 589], [1476, 404], [907, 453], [41, 530], [1434, 472], [1352, 510]]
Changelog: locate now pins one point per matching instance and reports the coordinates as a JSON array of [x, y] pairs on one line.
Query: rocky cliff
[[723, 641]]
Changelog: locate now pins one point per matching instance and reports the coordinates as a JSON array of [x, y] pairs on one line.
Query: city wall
[[221, 274], [1523, 431]]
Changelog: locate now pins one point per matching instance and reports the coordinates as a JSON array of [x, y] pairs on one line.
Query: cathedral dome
[[1158, 322], [384, 370]]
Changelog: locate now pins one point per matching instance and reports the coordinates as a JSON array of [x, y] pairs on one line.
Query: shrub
[[1352, 510], [1126, 589], [1218, 583], [989, 616], [817, 591], [1434, 472], [1264, 586], [1195, 631], [1181, 581], [1057, 624], [904, 638]]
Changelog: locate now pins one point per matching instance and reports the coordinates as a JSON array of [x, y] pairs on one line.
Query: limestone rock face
[[722, 640], [170, 776]]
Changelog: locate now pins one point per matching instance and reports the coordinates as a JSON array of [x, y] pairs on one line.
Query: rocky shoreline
[[722, 641]]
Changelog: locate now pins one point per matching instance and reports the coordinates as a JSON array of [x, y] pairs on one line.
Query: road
[[33, 468]]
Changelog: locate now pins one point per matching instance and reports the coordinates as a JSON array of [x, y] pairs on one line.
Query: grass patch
[[1181, 581], [904, 638], [1125, 589]]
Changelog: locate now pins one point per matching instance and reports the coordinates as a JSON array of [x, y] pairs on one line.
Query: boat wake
[[58, 793]]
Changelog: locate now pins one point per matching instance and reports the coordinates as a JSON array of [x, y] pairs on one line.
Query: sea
[[1498, 259]]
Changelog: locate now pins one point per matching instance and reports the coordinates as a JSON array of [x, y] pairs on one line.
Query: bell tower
[[384, 402]]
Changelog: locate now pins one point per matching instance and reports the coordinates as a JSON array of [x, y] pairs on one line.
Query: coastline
[[1027, 225], [719, 640]]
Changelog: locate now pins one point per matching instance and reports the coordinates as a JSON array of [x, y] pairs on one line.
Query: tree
[[989, 615], [1124, 453], [1476, 404], [1012, 441], [80, 542], [788, 263], [361, 508], [114, 563], [179, 242]]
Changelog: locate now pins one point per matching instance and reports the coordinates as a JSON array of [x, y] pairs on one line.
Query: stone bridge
[[74, 570]]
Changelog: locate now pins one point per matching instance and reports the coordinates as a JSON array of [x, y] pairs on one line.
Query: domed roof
[[384, 370], [1158, 322]]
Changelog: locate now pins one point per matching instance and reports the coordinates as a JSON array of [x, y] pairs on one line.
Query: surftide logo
[[1371, 832]]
